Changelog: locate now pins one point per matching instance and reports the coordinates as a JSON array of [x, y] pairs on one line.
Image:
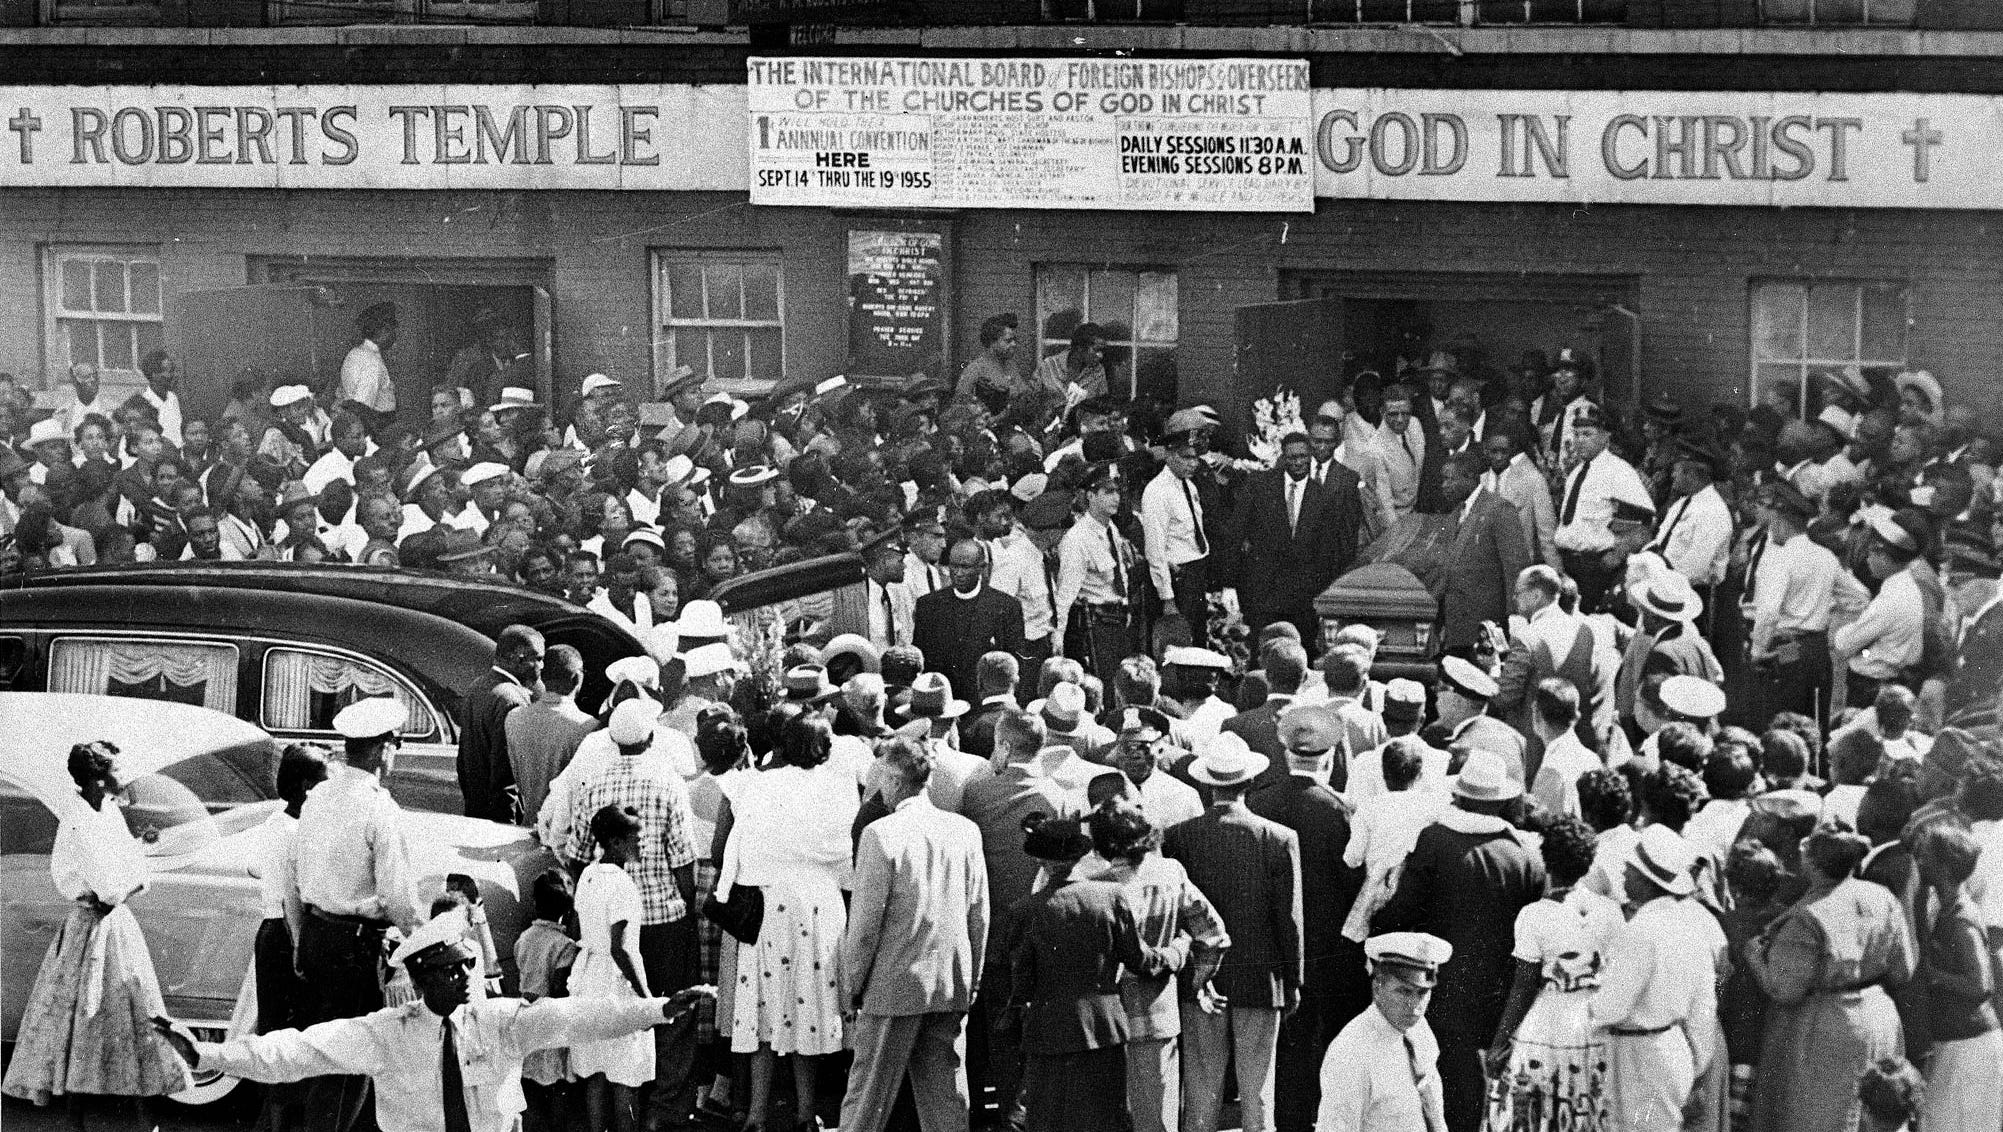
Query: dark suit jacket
[[1488, 552], [1430, 471], [486, 777], [1068, 945], [1320, 819], [977, 729], [1278, 570], [1260, 728], [953, 632], [1466, 888], [1250, 868]]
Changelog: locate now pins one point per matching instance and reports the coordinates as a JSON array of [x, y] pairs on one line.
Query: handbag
[[741, 915]]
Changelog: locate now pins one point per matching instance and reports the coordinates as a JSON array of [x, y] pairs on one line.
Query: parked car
[[201, 786]]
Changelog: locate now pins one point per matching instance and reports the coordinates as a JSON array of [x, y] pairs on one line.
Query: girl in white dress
[[608, 965]]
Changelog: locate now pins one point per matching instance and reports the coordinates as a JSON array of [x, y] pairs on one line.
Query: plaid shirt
[[666, 839]]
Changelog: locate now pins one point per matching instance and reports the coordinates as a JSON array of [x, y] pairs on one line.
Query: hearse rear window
[[182, 672], [304, 690]]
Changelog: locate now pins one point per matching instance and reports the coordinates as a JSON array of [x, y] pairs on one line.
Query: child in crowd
[[1892, 1092], [1757, 879], [1384, 829], [544, 954], [608, 965]]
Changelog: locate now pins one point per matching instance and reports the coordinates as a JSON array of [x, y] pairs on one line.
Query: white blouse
[[95, 853]]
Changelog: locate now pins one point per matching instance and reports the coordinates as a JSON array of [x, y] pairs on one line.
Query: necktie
[[1119, 567], [1572, 493], [1407, 442], [1196, 519], [889, 618], [1418, 1082], [1753, 564], [452, 1085], [1669, 528], [1293, 505], [933, 573]]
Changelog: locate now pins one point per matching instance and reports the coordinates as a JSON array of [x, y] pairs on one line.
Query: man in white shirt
[[163, 375], [1696, 533], [1381, 1073], [1142, 750], [1606, 514], [1884, 644], [1177, 547], [1401, 448], [1554, 716], [1797, 586], [87, 399], [365, 377], [925, 540], [351, 443], [1017, 570], [891, 606], [1517, 481]]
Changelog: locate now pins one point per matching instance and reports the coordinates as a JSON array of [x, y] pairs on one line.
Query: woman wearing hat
[[1828, 963], [85, 1030]]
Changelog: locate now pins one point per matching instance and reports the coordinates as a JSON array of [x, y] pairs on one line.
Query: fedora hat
[[1667, 594], [932, 698], [702, 618], [855, 645], [512, 398], [1484, 778], [46, 431], [808, 683], [1227, 761], [1063, 708], [461, 545], [1661, 855]]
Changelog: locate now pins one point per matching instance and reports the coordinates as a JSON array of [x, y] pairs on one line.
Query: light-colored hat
[[1404, 699], [830, 385], [1144, 723], [633, 720], [648, 535], [1029, 487], [1309, 729], [371, 718], [294, 492], [460, 544], [289, 395], [680, 471], [702, 618], [1187, 656], [1416, 952], [1227, 761], [683, 375], [514, 397], [1462, 676], [855, 645], [932, 698], [1841, 421], [46, 431], [419, 472], [808, 683], [593, 382], [446, 929], [756, 475], [482, 472], [1692, 697], [1889, 528], [1064, 707], [1921, 380], [1669, 594], [1484, 778], [663, 642], [1666, 859], [737, 408], [708, 660], [639, 670]]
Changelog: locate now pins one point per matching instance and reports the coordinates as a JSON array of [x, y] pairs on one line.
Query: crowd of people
[[1081, 811]]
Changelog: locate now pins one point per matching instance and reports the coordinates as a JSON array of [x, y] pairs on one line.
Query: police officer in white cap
[[443, 1063], [356, 882], [1381, 1073]]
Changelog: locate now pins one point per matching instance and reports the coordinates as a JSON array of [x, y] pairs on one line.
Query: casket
[[1390, 599]]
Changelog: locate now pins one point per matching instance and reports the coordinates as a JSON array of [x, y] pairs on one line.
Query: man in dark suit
[[1290, 537], [1285, 664], [996, 676], [486, 777], [960, 622], [1250, 869], [1465, 881], [1335, 987], [1454, 435], [1485, 553]]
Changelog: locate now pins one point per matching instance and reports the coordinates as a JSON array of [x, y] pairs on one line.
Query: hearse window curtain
[[180, 671], [303, 690]]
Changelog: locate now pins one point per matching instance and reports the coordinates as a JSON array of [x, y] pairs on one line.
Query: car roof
[[149, 735], [448, 653], [787, 583]]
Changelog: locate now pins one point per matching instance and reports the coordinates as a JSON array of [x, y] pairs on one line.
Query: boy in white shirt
[[1385, 827]]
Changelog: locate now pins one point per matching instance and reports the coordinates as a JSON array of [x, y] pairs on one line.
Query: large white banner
[[373, 137], [1661, 147], [1226, 135]]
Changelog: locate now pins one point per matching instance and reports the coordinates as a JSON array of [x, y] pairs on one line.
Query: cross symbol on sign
[[26, 123], [1922, 140]]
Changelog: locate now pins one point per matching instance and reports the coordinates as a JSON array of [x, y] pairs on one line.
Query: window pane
[[145, 288], [1832, 321], [76, 285], [1785, 11], [764, 355], [1155, 315], [118, 353], [1154, 373], [761, 291], [83, 341], [726, 290], [1892, 11], [152, 336], [1884, 322], [1839, 11], [1775, 372], [1777, 321], [110, 285], [1109, 301], [684, 290], [726, 351], [1060, 300]]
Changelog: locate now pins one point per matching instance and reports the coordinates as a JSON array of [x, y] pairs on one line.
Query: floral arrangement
[[1272, 419]]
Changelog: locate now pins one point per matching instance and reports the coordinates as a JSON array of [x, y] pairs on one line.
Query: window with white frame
[[1136, 307], [1839, 13], [722, 314], [103, 307], [1802, 327]]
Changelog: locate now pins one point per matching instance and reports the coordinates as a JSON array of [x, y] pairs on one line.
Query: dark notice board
[[898, 300]]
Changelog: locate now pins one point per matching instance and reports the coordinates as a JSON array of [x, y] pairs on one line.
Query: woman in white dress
[[608, 966], [791, 838], [1547, 1066], [87, 1028]]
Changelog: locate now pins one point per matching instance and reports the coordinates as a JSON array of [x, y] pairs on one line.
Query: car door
[[303, 686]]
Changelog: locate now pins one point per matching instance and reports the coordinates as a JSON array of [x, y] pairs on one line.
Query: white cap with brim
[[1462, 676], [482, 472], [1186, 656], [708, 660], [289, 395], [443, 930], [596, 381], [1692, 697], [1417, 952], [371, 718], [639, 670]]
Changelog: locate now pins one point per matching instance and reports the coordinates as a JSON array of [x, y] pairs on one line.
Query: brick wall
[[1692, 266]]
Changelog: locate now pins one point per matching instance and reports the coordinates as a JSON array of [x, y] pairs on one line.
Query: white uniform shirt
[[1600, 483], [1797, 584], [1887, 639], [1376, 1079], [1017, 570], [1171, 520], [349, 851], [1696, 536], [1086, 569]]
